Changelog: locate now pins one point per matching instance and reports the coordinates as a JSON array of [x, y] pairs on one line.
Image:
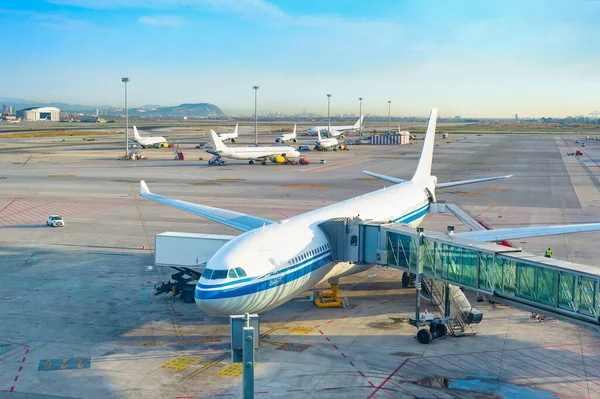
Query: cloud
[[162, 20], [52, 21]]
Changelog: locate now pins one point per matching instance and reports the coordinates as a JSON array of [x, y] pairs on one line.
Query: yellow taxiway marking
[[228, 354], [301, 330], [180, 362], [228, 180], [152, 343]]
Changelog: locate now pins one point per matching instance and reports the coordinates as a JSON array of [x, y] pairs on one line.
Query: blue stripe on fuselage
[[263, 285]]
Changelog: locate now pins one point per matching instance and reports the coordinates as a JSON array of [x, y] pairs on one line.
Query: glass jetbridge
[[451, 263]]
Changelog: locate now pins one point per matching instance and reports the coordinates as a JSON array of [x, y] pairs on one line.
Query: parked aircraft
[[148, 141], [252, 154], [336, 131], [328, 143], [230, 136], [14, 121], [284, 138], [273, 262]]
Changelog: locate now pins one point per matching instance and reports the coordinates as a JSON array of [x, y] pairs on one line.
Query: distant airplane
[[284, 138], [335, 131], [148, 141], [14, 122], [220, 150], [328, 143], [230, 136]]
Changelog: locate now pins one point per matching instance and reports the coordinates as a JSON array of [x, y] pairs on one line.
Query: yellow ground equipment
[[331, 299]]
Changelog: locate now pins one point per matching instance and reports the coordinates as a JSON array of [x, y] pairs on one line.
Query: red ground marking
[[12, 388], [335, 346], [7, 205]]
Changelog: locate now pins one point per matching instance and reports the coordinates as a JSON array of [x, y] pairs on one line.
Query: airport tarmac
[[79, 318]]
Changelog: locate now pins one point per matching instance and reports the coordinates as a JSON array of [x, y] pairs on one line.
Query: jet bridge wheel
[[424, 336], [407, 279]]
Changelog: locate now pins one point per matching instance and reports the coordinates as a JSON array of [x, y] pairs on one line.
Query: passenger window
[[232, 273], [219, 274], [353, 241], [240, 272]]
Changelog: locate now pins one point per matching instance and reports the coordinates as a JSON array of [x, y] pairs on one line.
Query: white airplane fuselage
[[248, 153], [150, 141], [284, 259]]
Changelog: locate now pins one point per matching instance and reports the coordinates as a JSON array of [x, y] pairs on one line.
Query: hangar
[[39, 113]]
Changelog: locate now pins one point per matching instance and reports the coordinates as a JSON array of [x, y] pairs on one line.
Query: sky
[[470, 58]]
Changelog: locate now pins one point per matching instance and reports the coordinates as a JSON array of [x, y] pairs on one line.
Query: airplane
[[272, 262], [14, 122], [230, 136], [336, 131], [148, 141], [220, 150], [287, 137], [328, 143]]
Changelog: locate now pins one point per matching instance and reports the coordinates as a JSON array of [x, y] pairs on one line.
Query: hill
[[203, 110]]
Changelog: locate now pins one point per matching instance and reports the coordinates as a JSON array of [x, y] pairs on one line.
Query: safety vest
[[548, 252]]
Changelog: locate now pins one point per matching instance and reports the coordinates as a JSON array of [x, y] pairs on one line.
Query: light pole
[[126, 80], [255, 116], [328, 117], [360, 116], [389, 115]]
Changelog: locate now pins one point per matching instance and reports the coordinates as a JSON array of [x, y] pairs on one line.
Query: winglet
[[144, 188], [425, 160]]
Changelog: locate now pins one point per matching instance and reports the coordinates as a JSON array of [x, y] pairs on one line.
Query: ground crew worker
[[548, 253]]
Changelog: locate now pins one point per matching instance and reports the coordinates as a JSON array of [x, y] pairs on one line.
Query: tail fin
[[294, 132], [216, 142], [235, 132], [319, 135], [424, 167], [135, 133], [359, 122]]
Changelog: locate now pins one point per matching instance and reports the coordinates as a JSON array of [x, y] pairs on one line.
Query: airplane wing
[[384, 177], [233, 219], [524, 232], [461, 182]]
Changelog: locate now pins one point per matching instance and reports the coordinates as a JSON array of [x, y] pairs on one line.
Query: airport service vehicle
[[251, 154], [303, 148], [578, 152], [336, 131], [582, 144], [188, 254], [272, 262], [230, 136], [149, 141], [284, 138], [303, 161], [55, 221]]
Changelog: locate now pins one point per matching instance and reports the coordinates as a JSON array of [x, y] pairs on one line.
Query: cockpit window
[[207, 274], [219, 274], [240, 272], [232, 273]]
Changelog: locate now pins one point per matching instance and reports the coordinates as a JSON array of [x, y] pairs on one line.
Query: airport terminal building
[[39, 113]]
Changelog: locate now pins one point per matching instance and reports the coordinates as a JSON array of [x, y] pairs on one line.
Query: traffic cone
[[143, 247]]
